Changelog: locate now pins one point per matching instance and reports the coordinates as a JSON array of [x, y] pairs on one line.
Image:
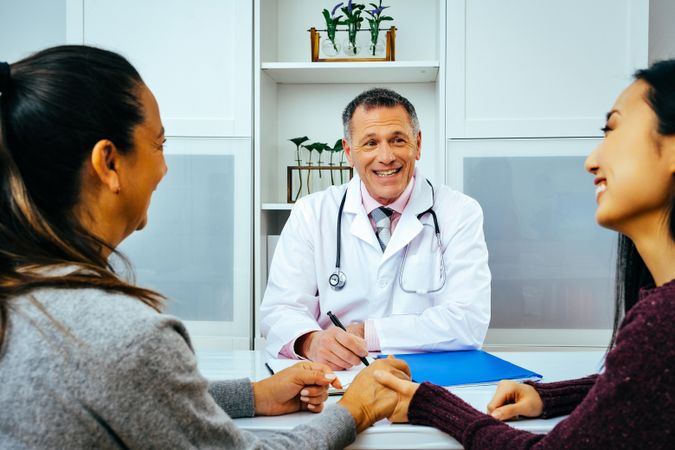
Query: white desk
[[554, 366]]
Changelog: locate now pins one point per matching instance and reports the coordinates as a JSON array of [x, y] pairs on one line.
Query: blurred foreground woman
[[632, 403], [86, 360]]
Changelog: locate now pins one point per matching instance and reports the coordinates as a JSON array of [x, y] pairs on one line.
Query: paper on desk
[[345, 376]]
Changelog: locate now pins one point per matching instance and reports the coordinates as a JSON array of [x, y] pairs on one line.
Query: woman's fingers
[[503, 395], [506, 412], [314, 392], [391, 381]]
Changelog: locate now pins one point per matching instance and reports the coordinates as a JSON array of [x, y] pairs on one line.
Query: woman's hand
[[513, 399], [369, 401], [299, 387], [405, 390]]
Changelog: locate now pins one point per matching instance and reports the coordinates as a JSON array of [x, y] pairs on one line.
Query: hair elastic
[[5, 76]]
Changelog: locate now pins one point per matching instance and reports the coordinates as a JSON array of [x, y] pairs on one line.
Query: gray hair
[[377, 98]]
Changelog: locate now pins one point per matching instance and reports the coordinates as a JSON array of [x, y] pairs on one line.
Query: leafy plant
[[353, 21], [320, 147], [297, 141], [332, 22], [374, 22], [335, 149], [315, 146]]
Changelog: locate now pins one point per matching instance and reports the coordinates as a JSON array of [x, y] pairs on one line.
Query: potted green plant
[[297, 141], [353, 21], [330, 47], [376, 18]]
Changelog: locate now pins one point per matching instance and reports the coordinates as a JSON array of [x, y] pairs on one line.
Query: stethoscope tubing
[[338, 279]]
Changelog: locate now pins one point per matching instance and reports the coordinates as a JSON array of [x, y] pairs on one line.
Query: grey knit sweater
[[88, 369]]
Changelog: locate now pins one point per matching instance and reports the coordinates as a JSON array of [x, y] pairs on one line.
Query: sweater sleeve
[[235, 397], [630, 405], [560, 398], [153, 394]]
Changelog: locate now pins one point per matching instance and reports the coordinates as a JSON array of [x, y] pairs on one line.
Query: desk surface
[[554, 366]]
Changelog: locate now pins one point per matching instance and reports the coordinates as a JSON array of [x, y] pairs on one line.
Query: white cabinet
[[195, 56], [296, 97], [522, 68], [552, 265], [196, 248], [528, 85], [30, 25]]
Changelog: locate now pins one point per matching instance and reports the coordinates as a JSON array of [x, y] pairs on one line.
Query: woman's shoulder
[[648, 324], [93, 319], [655, 304]]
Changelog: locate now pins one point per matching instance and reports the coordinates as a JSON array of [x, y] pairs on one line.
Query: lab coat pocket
[[421, 274], [422, 271]]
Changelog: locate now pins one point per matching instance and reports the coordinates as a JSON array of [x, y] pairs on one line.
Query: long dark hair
[[54, 107], [631, 272]]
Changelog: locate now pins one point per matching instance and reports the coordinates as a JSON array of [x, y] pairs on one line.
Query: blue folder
[[463, 367]]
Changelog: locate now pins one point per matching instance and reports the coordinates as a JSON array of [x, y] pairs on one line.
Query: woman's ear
[[105, 160]]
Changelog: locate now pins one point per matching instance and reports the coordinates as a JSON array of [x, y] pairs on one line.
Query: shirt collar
[[398, 205]]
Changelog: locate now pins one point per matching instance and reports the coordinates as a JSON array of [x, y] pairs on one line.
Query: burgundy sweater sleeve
[[630, 405], [560, 398]]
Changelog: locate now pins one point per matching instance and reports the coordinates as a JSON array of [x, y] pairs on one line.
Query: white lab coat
[[298, 294]]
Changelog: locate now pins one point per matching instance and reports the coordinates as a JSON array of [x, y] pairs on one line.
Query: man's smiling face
[[383, 151]]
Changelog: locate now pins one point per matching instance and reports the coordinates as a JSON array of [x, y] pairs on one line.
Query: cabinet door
[[195, 56], [196, 248], [540, 68], [30, 25], [552, 265]]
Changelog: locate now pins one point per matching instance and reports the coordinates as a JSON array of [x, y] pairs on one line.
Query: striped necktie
[[382, 218]]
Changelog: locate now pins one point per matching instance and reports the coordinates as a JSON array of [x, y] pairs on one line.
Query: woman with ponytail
[[86, 359]]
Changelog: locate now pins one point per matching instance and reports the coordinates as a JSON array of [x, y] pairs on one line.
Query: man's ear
[[419, 145], [348, 151], [105, 161]]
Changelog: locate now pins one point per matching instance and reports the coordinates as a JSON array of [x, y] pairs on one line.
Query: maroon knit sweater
[[630, 405]]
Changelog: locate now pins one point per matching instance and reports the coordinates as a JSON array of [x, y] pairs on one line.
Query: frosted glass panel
[[552, 265], [187, 250]]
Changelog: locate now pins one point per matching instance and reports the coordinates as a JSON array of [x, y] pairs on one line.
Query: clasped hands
[[304, 386], [381, 390]]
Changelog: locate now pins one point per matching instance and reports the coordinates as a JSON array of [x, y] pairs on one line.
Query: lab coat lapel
[[361, 227], [409, 226]]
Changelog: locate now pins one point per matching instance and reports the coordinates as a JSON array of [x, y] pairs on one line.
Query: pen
[[337, 323]]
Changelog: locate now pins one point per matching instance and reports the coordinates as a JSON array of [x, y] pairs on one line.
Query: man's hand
[[335, 347], [301, 386], [369, 401], [357, 329]]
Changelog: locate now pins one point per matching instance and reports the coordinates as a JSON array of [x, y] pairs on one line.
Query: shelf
[[277, 206], [352, 72]]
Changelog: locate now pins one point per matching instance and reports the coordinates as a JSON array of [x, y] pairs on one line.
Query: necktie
[[382, 218]]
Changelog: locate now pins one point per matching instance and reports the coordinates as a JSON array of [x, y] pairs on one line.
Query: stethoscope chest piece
[[337, 280]]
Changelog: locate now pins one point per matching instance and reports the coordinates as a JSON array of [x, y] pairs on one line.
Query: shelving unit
[[357, 72], [277, 206], [296, 97]]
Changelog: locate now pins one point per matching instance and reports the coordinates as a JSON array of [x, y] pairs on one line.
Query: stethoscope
[[338, 279]]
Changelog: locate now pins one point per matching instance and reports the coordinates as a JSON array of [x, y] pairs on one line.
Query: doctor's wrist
[[302, 344]]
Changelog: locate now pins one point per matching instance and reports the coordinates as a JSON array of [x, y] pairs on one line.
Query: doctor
[[400, 261]]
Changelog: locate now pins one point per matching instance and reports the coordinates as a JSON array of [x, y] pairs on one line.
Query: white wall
[[661, 29]]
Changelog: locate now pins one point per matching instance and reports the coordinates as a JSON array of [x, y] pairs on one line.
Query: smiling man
[[399, 261]]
